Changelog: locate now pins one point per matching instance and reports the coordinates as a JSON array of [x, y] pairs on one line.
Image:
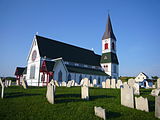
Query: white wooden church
[[50, 59]]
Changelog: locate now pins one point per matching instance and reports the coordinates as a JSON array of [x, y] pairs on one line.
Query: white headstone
[[100, 112], [24, 84], [72, 83], [82, 81], [91, 85], [108, 83], [155, 92], [85, 92], [50, 93], [2, 92], [113, 83], [86, 82], [127, 96], [6, 83], [85, 89], [119, 84], [141, 104], [157, 107], [131, 82], [64, 83], [94, 82], [10, 82], [69, 84], [56, 83], [158, 83], [136, 89], [103, 84], [52, 82]]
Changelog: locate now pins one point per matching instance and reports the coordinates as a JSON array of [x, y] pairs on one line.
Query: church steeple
[[109, 31], [109, 59]]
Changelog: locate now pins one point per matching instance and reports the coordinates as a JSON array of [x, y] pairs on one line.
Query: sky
[[136, 25]]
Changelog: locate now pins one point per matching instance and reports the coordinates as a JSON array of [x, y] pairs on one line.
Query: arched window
[[32, 72], [99, 80], [90, 78], [69, 77], [113, 46], [80, 78], [60, 76], [106, 46]]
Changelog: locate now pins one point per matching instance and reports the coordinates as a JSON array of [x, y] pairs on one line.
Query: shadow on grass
[[18, 94], [151, 105], [112, 114], [77, 97], [64, 98], [100, 96]]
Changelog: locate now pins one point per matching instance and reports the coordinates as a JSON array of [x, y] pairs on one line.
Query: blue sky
[[136, 24]]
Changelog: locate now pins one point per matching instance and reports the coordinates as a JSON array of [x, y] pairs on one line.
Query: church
[[51, 59]]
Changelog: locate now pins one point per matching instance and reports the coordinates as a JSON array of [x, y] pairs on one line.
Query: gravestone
[[72, 83], [64, 83], [108, 83], [131, 82], [56, 83], [113, 83], [2, 92], [100, 112], [52, 82], [24, 84], [10, 82], [141, 104], [136, 89], [91, 85], [69, 84], [157, 107], [85, 89], [155, 92], [50, 93], [103, 84], [158, 83], [6, 83], [119, 84], [127, 96], [81, 83], [86, 82], [94, 82]]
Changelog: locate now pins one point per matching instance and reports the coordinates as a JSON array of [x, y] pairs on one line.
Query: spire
[[109, 32]]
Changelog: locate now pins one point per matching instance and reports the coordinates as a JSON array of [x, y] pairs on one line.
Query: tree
[[154, 77]]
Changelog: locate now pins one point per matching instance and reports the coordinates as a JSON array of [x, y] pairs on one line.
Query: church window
[[32, 72], [60, 76], [69, 77], [90, 78], [99, 80], [106, 46]]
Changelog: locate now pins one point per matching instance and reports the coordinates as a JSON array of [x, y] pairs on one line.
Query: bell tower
[[109, 60]]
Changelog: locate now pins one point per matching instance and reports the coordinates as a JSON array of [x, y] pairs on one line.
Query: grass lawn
[[31, 104]]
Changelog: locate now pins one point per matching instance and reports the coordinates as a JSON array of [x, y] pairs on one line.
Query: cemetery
[[78, 102]]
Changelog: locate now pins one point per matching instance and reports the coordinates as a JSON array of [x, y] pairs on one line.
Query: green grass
[[31, 104]]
